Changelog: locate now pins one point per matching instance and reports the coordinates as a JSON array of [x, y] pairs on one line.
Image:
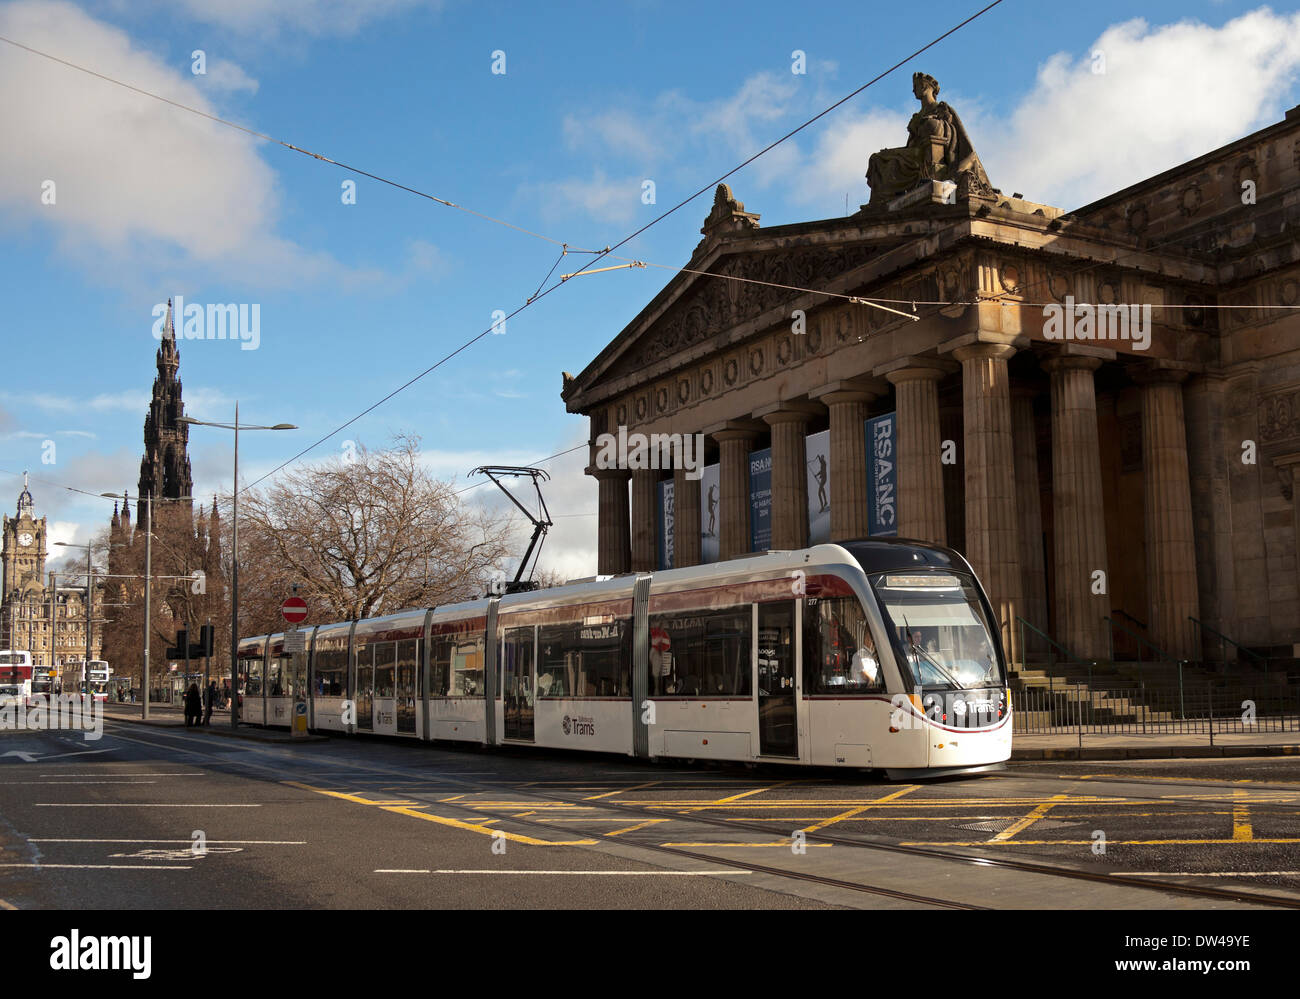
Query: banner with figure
[[760, 500], [710, 513], [667, 519], [817, 449], [882, 475]]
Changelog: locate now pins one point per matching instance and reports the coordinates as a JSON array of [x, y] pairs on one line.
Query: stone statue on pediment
[[938, 148]]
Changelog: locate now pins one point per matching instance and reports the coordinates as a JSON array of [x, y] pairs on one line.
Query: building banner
[[667, 517], [882, 475], [760, 500], [710, 513], [817, 449]]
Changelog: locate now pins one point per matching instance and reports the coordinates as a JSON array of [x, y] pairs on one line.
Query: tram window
[[701, 654], [467, 666], [385, 661], [273, 677], [585, 659], [252, 669], [408, 653], [839, 654], [440, 666], [331, 666]]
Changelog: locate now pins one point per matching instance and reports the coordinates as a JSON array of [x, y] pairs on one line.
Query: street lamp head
[[285, 426]]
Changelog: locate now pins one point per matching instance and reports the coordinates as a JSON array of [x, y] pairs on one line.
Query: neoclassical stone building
[[1086, 480]]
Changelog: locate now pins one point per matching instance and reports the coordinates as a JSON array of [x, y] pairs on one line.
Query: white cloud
[[222, 74], [598, 198], [312, 17], [1169, 93], [138, 184]]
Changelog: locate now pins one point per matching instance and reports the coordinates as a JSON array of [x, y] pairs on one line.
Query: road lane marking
[[245, 842], [639, 825], [1241, 826], [8, 905], [746, 794], [98, 867], [114, 804], [1206, 874], [625, 874], [624, 790], [480, 827], [1088, 842], [69, 783], [1010, 831], [861, 808]]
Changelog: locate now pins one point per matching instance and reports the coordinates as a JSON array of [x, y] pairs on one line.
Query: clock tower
[[23, 550]]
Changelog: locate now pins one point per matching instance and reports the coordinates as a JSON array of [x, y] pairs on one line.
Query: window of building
[[701, 653]]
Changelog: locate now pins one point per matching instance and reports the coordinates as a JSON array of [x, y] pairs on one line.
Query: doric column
[[789, 423], [1171, 544], [920, 471], [613, 537], [645, 514], [686, 521], [1029, 516], [847, 402], [733, 482], [992, 545], [1078, 517]]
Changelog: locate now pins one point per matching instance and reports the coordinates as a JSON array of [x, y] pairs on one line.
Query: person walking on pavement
[[212, 698], [193, 706]]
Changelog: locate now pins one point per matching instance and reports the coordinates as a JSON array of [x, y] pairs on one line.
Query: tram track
[[613, 807]]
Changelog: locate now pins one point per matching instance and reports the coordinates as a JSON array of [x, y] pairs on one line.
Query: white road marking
[[106, 804], [33, 758], [69, 783], [243, 842], [1206, 874], [99, 867], [683, 874]]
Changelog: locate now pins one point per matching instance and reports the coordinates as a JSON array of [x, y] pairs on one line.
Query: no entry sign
[[294, 610]]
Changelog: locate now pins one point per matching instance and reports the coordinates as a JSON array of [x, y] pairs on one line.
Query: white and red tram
[[873, 654]]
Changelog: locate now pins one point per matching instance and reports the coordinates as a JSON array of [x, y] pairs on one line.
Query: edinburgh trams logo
[[581, 725], [92, 953]]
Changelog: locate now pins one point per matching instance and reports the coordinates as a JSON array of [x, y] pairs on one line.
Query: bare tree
[[363, 537]]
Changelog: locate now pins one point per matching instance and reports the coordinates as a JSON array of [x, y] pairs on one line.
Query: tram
[[875, 654]]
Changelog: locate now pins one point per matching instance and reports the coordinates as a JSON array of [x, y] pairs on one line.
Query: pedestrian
[[211, 699], [193, 706]]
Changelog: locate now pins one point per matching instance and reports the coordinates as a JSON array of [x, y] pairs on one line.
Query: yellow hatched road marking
[[862, 808], [624, 790], [1028, 820], [7, 905], [1242, 830], [639, 825], [481, 827], [746, 794]]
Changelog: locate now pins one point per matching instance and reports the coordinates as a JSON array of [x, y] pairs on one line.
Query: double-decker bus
[[97, 677], [15, 675]]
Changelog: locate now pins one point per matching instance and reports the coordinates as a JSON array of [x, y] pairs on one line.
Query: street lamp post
[[90, 592], [148, 574], [234, 552]]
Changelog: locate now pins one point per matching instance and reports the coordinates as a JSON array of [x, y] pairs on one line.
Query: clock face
[[25, 539]]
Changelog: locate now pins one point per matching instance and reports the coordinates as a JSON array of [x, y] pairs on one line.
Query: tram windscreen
[[940, 629]]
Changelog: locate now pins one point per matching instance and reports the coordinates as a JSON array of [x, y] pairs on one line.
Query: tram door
[[366, 687], [777, 725], [517, 683]]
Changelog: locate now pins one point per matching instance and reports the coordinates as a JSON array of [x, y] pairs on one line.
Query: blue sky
[[153, 202]]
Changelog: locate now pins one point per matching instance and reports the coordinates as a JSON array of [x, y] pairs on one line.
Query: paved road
[[156, 817]]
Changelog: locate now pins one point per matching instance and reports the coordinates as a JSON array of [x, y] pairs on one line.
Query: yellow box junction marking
[[481, 827], [894, 796], [1010, 831]]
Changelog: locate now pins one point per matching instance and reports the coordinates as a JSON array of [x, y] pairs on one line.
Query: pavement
[[1062, 745]]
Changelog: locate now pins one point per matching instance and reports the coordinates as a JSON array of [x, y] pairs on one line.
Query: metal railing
[[1223, 652], [1070, 709]]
